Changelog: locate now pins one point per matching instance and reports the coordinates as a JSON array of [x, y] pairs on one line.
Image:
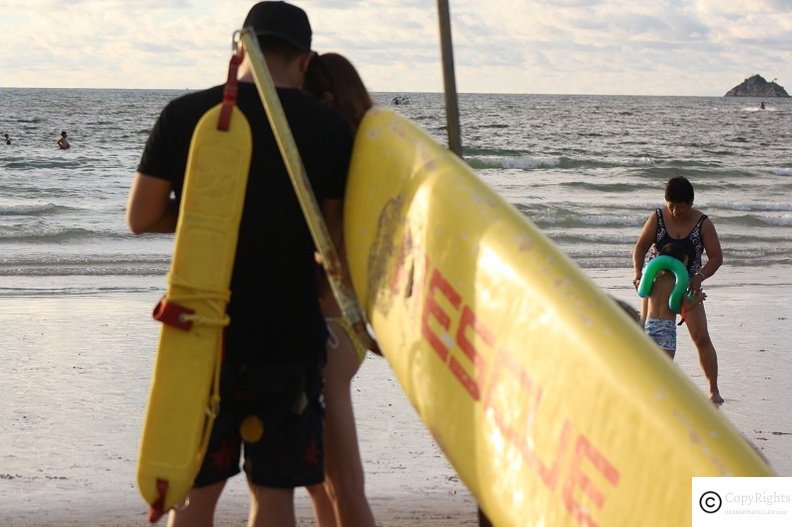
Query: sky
[[607, 47]]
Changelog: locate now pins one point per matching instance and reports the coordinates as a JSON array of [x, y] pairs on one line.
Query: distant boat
[[400, 100]]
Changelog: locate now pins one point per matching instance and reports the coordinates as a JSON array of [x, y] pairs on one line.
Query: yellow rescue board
[[548, 400], [183, 396]]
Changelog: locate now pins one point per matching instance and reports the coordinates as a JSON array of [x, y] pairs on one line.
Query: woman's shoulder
[[656, 216], [699, 215]]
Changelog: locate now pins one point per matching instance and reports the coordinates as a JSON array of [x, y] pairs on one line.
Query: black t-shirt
[[273, 304]]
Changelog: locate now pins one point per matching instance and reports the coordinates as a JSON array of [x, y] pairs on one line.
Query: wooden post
[[449, 79]]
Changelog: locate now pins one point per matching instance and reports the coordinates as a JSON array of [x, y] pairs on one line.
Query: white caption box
[[733, 502]]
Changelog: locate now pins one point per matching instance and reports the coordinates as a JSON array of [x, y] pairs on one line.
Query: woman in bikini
[[334, 81], [680, 223]]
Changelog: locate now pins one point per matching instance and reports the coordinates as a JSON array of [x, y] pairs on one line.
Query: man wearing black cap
[[275, 343]]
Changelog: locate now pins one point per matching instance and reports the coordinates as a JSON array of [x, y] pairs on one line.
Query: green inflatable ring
[[660, 263]]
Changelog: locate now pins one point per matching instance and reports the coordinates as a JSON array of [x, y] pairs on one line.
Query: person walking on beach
[[660, 322], [275, 342], [63, 142], [334, 81], [679, 222]]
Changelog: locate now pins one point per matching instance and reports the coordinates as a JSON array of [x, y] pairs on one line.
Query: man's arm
[[150, 207]]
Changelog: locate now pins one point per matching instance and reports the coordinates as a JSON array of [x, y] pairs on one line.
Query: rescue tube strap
[[343, 292], [173, 314], [230, 91], [170, 311]]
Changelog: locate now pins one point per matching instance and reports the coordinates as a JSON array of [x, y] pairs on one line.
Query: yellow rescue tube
[[548, 400], [183, 397]]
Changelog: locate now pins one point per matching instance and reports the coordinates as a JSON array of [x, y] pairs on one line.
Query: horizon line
[[423, 92]]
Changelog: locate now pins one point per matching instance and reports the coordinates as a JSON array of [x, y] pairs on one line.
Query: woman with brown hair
[[333, 80]]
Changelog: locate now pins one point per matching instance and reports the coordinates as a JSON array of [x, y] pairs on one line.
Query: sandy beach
[[750, 322], [75, 374], [75, 381]]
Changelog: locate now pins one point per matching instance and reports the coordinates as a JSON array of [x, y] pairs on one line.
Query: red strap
[[230, 91], [156, 510], [172, 314]]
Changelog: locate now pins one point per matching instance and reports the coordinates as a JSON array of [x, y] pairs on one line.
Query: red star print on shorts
[[311, 454], [223, 458]]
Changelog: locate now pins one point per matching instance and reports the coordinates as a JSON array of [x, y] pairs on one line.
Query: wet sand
[[75, 374]]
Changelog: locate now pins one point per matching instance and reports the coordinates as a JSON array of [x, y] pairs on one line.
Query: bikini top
[[692, 244]]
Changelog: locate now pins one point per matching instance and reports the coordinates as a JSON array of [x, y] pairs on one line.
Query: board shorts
[[663, 332], [285, 403]]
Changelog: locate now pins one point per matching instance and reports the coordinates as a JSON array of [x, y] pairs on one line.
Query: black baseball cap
[[281, 20]]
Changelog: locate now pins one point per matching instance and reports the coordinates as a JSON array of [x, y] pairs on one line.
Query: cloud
[[531, 46]]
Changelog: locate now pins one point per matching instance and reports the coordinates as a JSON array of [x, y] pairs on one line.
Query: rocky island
[[756, 86]]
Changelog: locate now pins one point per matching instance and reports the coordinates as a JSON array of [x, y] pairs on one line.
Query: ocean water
[[76, 341], [587, 170]]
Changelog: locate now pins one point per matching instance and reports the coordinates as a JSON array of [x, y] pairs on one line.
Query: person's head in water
[[7, 139], [63, 142]]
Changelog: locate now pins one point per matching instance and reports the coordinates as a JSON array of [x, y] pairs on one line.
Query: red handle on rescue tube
[[172, 314], [157, 508], [660, 263]]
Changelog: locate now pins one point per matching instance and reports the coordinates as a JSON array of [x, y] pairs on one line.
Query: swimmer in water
[[63, 143]]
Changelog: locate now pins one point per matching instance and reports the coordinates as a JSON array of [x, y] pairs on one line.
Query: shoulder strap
[[698, 225], [660, 222]]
